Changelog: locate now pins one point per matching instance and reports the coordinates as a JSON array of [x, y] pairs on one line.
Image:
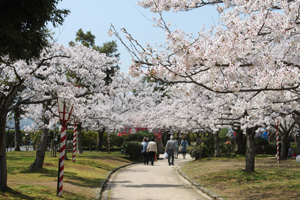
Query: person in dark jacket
[[144, 151]]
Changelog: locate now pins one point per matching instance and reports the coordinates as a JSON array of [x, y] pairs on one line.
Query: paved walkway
[[147, 182]]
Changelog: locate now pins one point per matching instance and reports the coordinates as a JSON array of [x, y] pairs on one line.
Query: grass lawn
[[224, 177], [82, 179]]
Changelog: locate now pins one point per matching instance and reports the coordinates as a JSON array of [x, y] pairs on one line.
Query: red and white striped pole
[[108, 142], [62, 158], [74, 141], [65, 111], [277, 141]]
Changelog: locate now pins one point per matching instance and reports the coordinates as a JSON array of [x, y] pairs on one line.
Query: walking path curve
[[157, 182]]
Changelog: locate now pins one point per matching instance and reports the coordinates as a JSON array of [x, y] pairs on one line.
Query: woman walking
[[152, 150], [144, 150], [184, 146]]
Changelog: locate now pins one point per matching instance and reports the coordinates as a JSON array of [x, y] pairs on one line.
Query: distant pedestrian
[[176, 147], [184, 146], [152, 150], [170, 148], [144, 150]]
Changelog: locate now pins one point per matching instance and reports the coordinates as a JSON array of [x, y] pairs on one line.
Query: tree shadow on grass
[[17, 195], [69, 177]]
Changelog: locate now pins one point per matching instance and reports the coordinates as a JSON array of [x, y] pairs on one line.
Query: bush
[[114, 140], [294, 146], [89, 139], [226, 148], [209, 142], [271, 148], [138, 136], [132, 148], [260, 145], [194, 151]]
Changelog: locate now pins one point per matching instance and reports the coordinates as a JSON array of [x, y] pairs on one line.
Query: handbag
[[155, 157], [180, 148]]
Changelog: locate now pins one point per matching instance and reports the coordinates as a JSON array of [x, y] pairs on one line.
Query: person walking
[[170, 148], [176, 147], [144, 150], [184, 146], [152, 150]]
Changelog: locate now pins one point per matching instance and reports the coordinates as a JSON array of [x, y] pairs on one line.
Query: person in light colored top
[[152, 150], [170, 149]]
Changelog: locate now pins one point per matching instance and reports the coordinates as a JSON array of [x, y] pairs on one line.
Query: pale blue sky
[[97, 15]]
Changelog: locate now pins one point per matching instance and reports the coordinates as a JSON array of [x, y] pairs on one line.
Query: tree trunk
[[17, 133], [284, 144], [199, 146], [100, 139], [298, 145], [188, 138], [239, 142], [160, 146], [41, 149], [79, 139], [250, 153], [217, 144], [3, 168]]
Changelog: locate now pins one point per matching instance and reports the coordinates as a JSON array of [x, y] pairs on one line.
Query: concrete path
[[147, 182]]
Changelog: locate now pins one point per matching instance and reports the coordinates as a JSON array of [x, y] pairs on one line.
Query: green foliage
[[114, 140], [294, 146], [10, 137], [89, 139], [223, 132], [260, 145], [109, 48], [138, 136], [194, 151], [209, 142], [132, 148], [271, 148], [23, 26], [226, 148]]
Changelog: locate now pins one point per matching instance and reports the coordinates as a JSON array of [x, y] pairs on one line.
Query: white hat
[[171, 137]]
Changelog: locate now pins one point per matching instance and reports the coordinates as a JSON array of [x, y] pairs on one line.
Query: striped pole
[[74, 142], [277, 140], [108, 143], [62, 158], [269, 139]]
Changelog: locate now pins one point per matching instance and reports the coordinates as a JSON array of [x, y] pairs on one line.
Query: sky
[[97, 16]]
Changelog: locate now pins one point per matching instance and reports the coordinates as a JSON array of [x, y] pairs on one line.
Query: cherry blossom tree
[[46, 79], [253, 54]]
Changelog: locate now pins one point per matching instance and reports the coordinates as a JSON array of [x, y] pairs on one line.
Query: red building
[[131, 130]]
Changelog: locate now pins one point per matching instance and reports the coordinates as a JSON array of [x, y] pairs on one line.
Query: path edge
[[99, 191], [199, 186]]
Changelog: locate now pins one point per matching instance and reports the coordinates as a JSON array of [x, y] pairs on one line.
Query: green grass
[[225, 177], [82, 179]]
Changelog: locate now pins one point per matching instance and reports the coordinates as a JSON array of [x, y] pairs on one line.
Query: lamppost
[[65, 111]]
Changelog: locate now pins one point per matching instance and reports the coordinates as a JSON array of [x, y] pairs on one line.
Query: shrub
[[294, 146], [271, 148], [138, 136], [209, 142], [194, 151], [132, 148], [114, 140], [226, 148], [260, 145]]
